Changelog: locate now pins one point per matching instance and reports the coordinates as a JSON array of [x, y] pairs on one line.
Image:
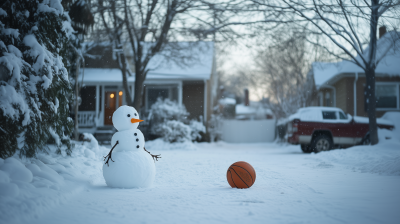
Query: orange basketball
[[241, 175]]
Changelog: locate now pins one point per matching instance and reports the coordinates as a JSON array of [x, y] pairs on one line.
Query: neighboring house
[[191, 84], [342, 84]]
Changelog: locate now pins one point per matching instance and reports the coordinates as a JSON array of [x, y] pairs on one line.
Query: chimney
[[382, 31], [246, 97]]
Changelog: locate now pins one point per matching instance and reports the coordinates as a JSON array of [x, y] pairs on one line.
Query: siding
[[360, 97], [341, 95]]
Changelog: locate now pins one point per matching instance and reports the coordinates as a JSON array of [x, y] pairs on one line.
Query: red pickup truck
[[320, 128]]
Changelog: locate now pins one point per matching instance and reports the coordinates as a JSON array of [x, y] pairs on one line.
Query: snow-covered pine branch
[[34, 84]]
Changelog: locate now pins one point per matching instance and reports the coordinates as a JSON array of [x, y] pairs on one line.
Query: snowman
[[132, 165]]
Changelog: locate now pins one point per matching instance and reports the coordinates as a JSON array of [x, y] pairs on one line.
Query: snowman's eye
[[135, 114], [129, 115]]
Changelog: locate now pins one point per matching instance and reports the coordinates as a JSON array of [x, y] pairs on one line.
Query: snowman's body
[[133, 166]]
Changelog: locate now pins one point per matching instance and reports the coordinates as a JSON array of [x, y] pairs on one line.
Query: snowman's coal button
[[135, 134], [137, 146], [137, 139]]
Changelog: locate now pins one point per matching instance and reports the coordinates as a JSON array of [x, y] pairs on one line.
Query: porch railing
[[86, 118]]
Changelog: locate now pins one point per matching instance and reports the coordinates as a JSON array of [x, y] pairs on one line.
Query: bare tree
[[144, 28], [351, 27], [281, 70]]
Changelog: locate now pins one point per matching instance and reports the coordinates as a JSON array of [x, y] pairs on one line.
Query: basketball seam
[[240, 177], [232, 178], [247, 172]]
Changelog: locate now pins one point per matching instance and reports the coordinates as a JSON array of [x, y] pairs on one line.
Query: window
[[88, 96], [320, 99], [328, 99], [163, 92], [387, 95], [342, 116], [329, 115]]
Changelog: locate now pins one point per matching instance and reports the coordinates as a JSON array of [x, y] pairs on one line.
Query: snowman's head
[[125, 118]]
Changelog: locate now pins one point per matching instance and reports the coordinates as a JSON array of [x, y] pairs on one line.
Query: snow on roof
[[196, 64], [324, 71], [197, 61], [108, 75], [114, 75]]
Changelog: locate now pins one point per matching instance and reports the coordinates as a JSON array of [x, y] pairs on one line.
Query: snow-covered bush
[[175, 131], [196, 128], [167, 109], [169, 120], [34, 81]]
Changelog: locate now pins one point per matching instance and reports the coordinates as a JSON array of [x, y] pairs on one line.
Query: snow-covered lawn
[[356, 185]]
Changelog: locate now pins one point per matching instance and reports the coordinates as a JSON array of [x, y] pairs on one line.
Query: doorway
[[110, 104]]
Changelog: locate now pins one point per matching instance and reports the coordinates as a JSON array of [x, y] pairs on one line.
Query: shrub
[[169, 120]]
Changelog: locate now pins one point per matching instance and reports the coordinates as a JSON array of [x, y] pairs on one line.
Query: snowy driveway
[[191, 187]]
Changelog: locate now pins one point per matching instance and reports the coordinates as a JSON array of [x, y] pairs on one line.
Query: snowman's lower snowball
[[131, 169]]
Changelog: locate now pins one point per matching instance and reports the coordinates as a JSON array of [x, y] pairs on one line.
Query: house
[[342, 84], [191, 83]]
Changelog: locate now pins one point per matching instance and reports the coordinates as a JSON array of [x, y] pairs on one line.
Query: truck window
[[329, 115], [342, 116]]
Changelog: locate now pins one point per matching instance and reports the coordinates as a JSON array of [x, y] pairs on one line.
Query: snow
[[130, 166], [2, 12], [324, 71], [131, 169], [394, 117], [42, 58], [16, 170], [381, 159], [30, 187], [122, 118], [10, 32], [52, 6], [197, 67], [8, 98], [241, 109], [199, 60], [355, 185], [365, 120], [175, 131], [314, 114], [227, 100]]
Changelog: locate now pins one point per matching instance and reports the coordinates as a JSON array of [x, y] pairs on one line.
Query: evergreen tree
[[81, 20], [33, 79]]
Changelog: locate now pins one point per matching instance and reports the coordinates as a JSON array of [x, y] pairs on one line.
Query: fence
[[246, 131], [86, 118]]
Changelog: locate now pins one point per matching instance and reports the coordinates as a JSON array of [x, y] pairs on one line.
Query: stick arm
[[108, 156]]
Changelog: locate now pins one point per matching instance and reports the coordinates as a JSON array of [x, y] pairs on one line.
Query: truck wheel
[[306, 148], [321, 143]]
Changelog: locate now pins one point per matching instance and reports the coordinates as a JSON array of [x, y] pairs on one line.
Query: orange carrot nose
[[134, 120]]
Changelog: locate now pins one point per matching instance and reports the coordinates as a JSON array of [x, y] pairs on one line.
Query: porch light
[[112, 95], [120, 93]]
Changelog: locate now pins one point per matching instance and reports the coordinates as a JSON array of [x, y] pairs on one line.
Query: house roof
[[325, 73], [178, 61]]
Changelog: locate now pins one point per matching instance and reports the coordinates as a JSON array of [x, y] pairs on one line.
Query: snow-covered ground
[[356, 185]]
